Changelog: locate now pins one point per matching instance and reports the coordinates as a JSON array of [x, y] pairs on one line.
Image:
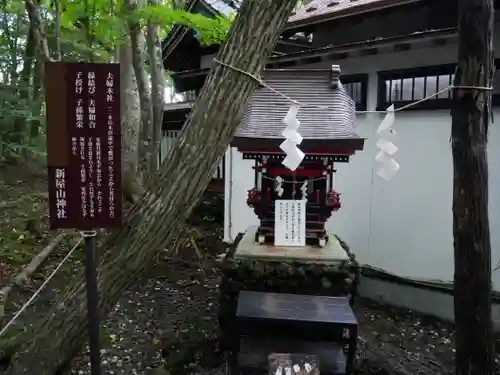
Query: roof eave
[[319, 52], [334, 146], [363, 8], [177, 33], [374, 43]]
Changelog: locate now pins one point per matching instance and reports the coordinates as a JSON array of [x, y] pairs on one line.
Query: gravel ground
[[157, 314], [181, 313], [177, 310], [174, 313]]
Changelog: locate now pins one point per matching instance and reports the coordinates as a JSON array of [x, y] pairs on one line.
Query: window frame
[[363, 80], [418, 72], [426, 71]]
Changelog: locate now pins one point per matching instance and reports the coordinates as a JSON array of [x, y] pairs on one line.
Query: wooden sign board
[[293, 364], [84, 145], [290, 222]]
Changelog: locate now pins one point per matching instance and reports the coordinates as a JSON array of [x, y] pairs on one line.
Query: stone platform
[[333, 252], [328, 271]]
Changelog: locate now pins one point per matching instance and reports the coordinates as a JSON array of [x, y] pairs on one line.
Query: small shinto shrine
[[293, 206], [283, 275]]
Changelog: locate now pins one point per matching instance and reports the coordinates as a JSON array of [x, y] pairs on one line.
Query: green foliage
[[22, 127], [210, 30]]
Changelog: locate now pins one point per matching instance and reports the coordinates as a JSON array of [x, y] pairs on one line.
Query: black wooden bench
[[290, 323]]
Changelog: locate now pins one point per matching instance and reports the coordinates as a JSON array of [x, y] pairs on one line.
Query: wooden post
[[471, 229]]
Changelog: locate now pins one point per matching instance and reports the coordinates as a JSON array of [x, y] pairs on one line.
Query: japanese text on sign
[[289, 226], [111, 146], [61, 202], [84, 145]]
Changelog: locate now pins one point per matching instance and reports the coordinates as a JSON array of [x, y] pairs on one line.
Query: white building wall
[[168, 140], [403, 226]]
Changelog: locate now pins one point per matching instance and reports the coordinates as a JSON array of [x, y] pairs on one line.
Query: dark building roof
[[266, 111], [322, 10], [316, 9], [182, 39]]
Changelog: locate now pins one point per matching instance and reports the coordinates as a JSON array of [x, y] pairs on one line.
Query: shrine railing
[[168, 141]]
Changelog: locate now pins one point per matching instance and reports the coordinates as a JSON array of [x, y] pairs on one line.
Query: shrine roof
[[263, 119], [321, 10], [314, 11]]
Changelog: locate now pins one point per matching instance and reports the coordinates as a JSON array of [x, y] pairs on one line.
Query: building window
[[189, 96], [403, 87], [356, 86]]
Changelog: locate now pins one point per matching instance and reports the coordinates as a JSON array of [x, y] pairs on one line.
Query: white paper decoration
[[279, 186], [303, 189], [387, 149], [294, 155]]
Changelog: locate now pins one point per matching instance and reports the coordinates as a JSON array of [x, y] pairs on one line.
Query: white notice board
[[290, 223]]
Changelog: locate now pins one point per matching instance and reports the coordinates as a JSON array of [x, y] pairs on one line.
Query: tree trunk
[[22, 124], [471, 230], [42, 48], [152, 225], [27, 71], [157, 89], [36, 95], [57, 27], [131, 124], [42, 56], [138, 61]]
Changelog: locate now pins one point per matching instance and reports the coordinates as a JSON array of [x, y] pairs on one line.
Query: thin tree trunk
[[36, 24], [57, 27], [27, 71], [157, 88], [42, 55], [131, 124], [152, 225], [36, 98], [138, 60], [13, 46], [22, 125], [471, 228]]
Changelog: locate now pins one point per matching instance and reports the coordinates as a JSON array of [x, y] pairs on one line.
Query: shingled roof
[[321, 7], [266, 110], [320, 10]]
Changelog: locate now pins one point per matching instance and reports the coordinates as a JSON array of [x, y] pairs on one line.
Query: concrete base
[[249, 249], [422, 300]]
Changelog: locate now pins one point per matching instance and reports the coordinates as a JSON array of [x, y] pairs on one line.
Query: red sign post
[[84, 142], [84, 163]]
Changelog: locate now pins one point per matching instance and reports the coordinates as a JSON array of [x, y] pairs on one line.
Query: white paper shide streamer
[[279, 186], [294, 155], [385, 156], [303, 189]]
